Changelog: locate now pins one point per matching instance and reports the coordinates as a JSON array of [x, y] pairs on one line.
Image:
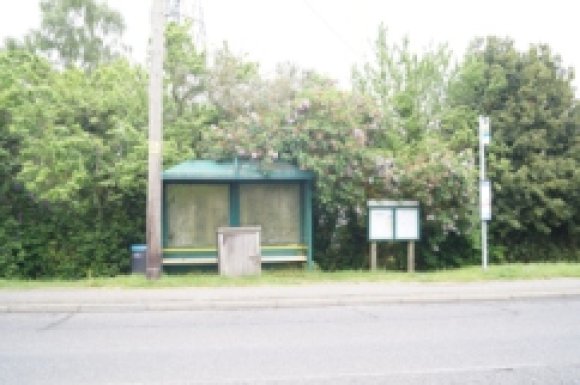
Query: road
[[480, 342]]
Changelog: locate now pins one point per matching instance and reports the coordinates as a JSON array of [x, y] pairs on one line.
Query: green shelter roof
[[211, 170]]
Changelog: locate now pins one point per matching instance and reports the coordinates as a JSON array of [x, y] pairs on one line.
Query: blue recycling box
[[138, 259]]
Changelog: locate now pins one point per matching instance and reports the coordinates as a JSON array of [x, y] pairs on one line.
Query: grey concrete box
[[239, 251]]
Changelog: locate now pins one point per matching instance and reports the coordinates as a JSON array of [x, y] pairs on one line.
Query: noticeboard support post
[[411, 257], [373, 263]]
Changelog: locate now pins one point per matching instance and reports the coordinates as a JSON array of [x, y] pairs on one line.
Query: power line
[[330, 28]]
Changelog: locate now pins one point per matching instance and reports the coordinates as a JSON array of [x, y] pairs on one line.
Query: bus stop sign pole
[[484, 188]]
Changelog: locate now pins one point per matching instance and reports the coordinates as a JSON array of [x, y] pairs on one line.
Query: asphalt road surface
[[503, 342]]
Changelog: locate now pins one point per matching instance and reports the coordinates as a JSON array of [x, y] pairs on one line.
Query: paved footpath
[[59, 300]]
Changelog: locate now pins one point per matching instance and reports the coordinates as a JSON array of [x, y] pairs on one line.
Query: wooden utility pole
[[155, 140]]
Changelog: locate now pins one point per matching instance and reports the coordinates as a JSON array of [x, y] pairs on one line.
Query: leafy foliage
[[415, 157], [74, 192], [185, 111], [83, 33], [304, 119], [533, 160], [73, 148], [408, 88]]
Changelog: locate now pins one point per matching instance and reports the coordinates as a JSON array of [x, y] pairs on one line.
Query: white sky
[[331, 35]]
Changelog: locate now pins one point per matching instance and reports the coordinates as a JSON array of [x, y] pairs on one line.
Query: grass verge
[[301, 277]]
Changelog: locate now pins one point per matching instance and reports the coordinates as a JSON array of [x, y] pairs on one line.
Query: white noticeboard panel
[[485, 200], [393, 220], [381, 224], [406, 223]]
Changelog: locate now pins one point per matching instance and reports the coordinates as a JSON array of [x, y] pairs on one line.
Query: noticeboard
[[393, 220]]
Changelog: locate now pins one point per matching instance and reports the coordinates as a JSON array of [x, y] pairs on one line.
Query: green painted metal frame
[[307, 222], [306, 228], [234, 190]]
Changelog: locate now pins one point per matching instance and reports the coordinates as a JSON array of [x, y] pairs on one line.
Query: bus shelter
[[200, 196]]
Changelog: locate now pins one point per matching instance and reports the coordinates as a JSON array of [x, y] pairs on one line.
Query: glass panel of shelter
[[195, 212], [275, 207]]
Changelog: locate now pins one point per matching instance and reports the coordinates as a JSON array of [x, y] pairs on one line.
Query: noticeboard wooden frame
[[393, 221]]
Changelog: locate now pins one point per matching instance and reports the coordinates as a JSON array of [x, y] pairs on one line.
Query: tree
[[352, 143], [408, 88], [81, 33], [91, 127], [533, 159], [413, 156], [16, 75], [325, 133], [24, 84], [444, 182], [184, 67], [186, 108], [231, 83], [305, 119], [75, 170]]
